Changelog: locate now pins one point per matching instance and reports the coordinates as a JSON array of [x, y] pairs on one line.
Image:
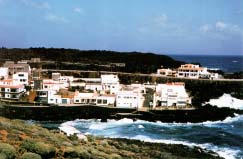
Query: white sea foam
[[140, 126], [226, 100], [225, 152], [99, 126]]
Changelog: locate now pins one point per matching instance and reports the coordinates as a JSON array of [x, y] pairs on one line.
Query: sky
[[158, 26]]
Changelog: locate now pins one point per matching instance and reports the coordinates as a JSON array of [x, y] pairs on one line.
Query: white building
[[129, 99], [17, 67], [94, 99], [9, 90], [106, 100], [85, 98], [51, 97], [96, 87], [171, 94], [192, 71], [21, 78], [166, 72], [53, 85], [3, 72], [110, 83], [64, 79]]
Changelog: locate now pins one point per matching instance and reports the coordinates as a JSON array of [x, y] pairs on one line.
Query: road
[[138, 74]]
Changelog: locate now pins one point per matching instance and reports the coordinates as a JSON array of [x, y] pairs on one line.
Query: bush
[[7, 151], [115, 156], [30, 155], [45, 150], [76, 152]]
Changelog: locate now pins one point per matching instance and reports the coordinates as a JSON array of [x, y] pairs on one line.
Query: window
[[99, 101], [104, 101], [13, 90], [77, 101], [21, 75]]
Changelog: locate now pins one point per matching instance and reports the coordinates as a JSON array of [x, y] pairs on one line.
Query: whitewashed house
[[171, 94], [51, 97], [65, 80], [138, 88], [165, 72], [106, 100], [110, 83], [21, 78], [85, 98], [129, 99], [53, 85], [96, 87]]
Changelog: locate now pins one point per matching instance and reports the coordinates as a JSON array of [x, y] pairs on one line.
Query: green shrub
[[7, 151], [45, 150], [76, 152], [115, 156], [30, 155]]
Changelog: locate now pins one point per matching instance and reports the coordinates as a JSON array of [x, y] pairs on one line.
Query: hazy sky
[[159, 26]]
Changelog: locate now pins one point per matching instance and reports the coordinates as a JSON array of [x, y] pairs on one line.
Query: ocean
[[223, 137], [229, 63]]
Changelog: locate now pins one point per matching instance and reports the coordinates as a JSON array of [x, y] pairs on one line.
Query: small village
[[20, 82]]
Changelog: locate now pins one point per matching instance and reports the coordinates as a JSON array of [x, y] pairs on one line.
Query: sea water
[[223, 137], [229, 63]]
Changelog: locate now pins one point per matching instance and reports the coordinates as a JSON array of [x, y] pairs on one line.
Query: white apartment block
[[171, 94], [192, 71], [9, 90]]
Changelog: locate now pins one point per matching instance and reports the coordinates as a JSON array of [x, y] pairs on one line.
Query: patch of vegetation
[[7, 151], [30, 155]]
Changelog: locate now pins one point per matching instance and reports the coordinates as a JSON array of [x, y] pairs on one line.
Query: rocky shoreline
[[65, 113]]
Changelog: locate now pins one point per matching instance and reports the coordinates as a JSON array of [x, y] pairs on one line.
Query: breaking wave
[[223, 137]]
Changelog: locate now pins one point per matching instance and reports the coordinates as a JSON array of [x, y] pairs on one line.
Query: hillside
[[134, 61], [19, 139]]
